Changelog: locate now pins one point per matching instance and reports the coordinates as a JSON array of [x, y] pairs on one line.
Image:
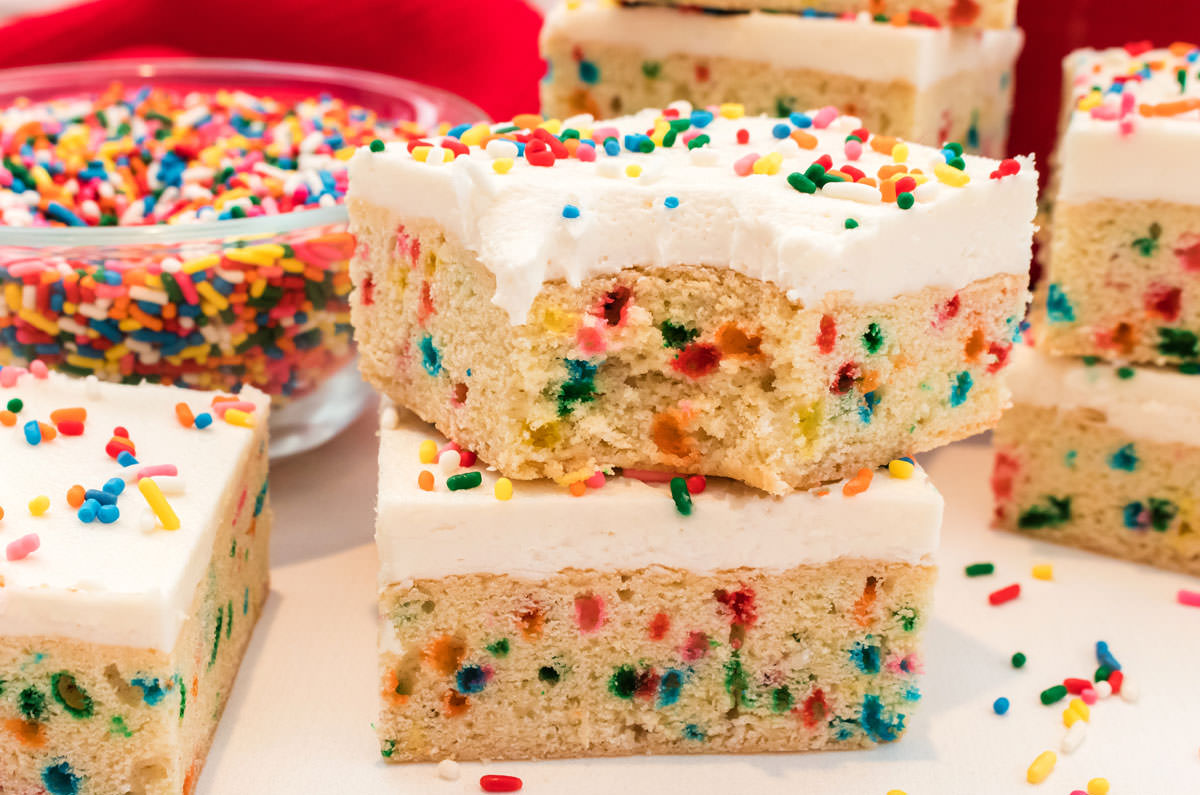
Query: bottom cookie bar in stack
[[620, 616], [135, 527], [1102, 457]]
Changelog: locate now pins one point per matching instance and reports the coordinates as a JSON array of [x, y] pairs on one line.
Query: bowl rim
[[428, 102]]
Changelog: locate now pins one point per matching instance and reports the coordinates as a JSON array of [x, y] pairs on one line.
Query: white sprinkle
[[788, 148], [171, 484], [447, 770], [853, 191], [91, 387], [147, 522], [390, 419], [436, 156], [1074, 737], [704, 156], [683, 106], [927, 192], [1103, 689], [498, 147], [608, 168], [449, 462], [579, 121], [1130, 692]]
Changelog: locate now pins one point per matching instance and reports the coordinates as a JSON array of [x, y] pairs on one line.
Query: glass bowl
[[66, 293]]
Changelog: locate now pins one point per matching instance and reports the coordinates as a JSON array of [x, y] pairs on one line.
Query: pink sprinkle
[[1126, 125], [744, 166], [22, 547], [189, 290], [1105, 113], [604, 133], [689, 135], [39, 369], [1089, 696], [1189, 598], [590, 340], [696, 484], [595, 481], [9, 375], [853, 150], [170, 470], [648, 475], [1128, 103], [825, 117], [241, 405], [586, 153], [23, 269]]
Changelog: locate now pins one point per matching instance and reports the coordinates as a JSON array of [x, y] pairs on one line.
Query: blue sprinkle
[[108, 514], [671, 202], [865, 657], [1124, 459], [611, 147], [876, 726], [33, 432], [152, 690], [962, 387], [203, 420], [701, 118], [87, 511], [456, 132], [126, 459], [471, 679], [1132, 514], [100, 497], [669, 687], [589, 72], [694, 732], [1058, 306], [60, 779], [1105, 658], [431, 358], [1000, 706], [866, 412], [114, 486], [570, 211], [781, 131], [800, 120]]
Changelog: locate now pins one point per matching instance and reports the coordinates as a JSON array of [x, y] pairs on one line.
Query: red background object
[[486, 50]]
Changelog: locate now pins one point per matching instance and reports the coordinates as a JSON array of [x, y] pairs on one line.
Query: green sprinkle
[[905, 200], [569, 133], [1052, 695], [377, 145], [1102, 674], [980, 569], [1018, 660], [651, 69], [498, 648], [1190, 368], [15, 405], [699, 141], [1181, 76], [1125, 373], [957, 162], [1090, 361], [677, 335], [954, 147], [464, 480], [683, 499], [801, 182], [851, 223]]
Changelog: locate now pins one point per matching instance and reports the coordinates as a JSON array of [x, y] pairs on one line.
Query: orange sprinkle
[[1181, 48], [224, 399], [859, 483], [8, 418], [804, 140], [425, 480], [888, 190], [822, 492], [891, 169], [577, 489], [884, 144], [67, 415], [862, 608], [48, 432], [184, 413], [1175, 108], [75, 496]]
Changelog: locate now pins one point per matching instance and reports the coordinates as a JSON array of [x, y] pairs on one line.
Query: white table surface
[[299, 720]]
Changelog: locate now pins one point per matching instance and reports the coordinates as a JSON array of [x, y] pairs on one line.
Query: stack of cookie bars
[[1102, 450], [652, 384]]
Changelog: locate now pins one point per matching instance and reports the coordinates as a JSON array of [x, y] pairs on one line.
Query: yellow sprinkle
[[502, 165], [197, 265], [475, 135], [552, 126], [1098, 786], [896, 792], [206, 290], [240, 418], [1043, 571], [75, 360], [1080, 707], [633, 170], [39, 505], [732, 110], [1070, 717], [1092, 100], [428, 451], [39, 322], [573, 4], [1042, 767], [419, 153], [503, 489], [949, 175], [262, 255], [158, 503], [769, 164], [899, 468], [900, 152]]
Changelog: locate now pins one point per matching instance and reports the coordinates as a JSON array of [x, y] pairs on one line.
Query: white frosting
[[757, 225], [1153, 157], [119, 583], [861, 48], [628, 524], [1155, 404]]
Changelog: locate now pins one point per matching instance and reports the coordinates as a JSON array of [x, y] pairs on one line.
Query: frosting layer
[[1145, 402], [128, 583], [689, 204], [629, 524], [859, 47], [1133, 129]]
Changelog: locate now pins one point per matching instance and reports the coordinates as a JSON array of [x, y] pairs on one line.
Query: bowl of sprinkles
[[180, 221]]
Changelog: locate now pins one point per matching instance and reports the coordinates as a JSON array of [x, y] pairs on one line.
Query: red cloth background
[[486, 50]]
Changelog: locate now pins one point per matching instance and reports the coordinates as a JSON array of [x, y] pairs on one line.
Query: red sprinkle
[[696, 484], [70, 428], [495, 783], [743, 136], [1076, 686], [1115, 679], [1005, 594], [919, 17]]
